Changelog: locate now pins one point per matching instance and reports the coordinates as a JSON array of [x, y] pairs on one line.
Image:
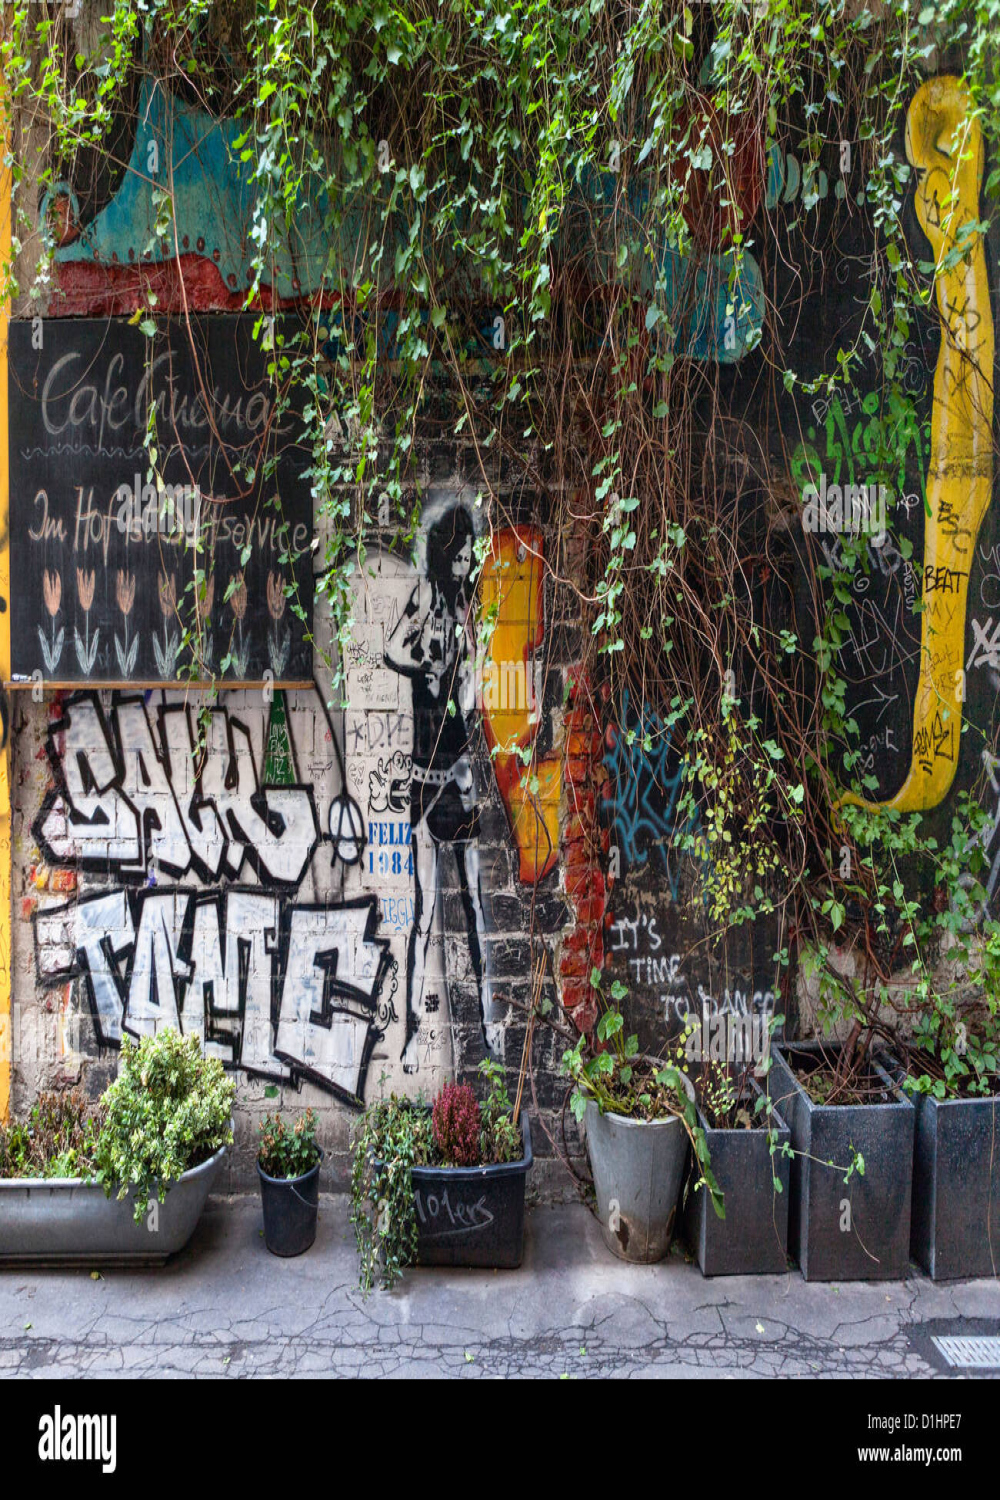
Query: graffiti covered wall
[[344, 890], [920, 642], [333, 899]]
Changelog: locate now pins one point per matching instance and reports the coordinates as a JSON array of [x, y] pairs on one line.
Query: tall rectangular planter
[[753, 1237], [859, 1230], [956, 1187], [472, 1216]]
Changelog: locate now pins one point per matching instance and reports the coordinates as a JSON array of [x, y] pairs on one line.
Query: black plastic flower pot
[[857, 1230], [291, 1206], [752, 1239], [956, 1187], [472, 1216]]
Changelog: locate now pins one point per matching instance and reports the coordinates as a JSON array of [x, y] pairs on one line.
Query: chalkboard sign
[[119, 576]]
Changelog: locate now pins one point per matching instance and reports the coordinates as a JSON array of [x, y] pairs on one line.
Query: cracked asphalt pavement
[[226, 1308]]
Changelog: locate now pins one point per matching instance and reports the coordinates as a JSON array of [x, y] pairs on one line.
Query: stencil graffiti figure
[[433, 644]]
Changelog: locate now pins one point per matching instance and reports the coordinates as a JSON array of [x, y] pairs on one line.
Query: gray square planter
[[753, 1237], [855, 1231], [956, 1187]]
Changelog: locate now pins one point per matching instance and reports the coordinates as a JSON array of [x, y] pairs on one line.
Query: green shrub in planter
[[394, 1135], [951, 1069], [169, 1109], [288, 1168], [640, 1118], [58, 1139]]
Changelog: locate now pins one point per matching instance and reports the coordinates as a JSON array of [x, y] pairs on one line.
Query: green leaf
[[609, 1025]]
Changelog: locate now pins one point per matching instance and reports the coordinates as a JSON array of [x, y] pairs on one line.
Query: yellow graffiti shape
[[511, 592], [944, 143]]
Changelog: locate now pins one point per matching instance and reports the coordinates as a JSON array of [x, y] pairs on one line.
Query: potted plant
[[749, 1146], [851, 1129], [127, 1179], [949, 1065], [442, 1185], [640, 1119], [288, 1162]]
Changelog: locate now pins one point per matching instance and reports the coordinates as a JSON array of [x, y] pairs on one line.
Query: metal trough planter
[[753, 1237], [956, 1187], [62, 1221], [955, 1215]]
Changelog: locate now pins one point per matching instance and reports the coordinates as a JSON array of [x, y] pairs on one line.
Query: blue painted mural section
[[188, 154], [714, 302], [645, 785]]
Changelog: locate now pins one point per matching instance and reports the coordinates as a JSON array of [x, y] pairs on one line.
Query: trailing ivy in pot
[[640, 1119], [440, 1185], [288, 1163], [126, 1178], [748, 1142]]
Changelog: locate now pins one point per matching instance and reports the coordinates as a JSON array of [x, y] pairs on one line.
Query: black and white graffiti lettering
[[125, 798], [145, 797], [235, 969], [389, 784]]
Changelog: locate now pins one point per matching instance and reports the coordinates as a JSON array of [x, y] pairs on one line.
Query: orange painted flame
[[512, 595]]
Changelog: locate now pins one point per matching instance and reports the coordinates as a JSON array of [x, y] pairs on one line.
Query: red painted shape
[[88, 289], [712, 223], [190, 283], [584, 843]]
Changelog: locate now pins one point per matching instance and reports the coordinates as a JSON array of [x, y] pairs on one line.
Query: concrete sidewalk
[[225, 1307]]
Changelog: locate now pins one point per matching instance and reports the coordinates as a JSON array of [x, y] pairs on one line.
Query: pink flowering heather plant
[[456, 1125]]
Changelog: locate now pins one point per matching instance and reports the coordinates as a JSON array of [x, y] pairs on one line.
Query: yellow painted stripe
[[944, 143]]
